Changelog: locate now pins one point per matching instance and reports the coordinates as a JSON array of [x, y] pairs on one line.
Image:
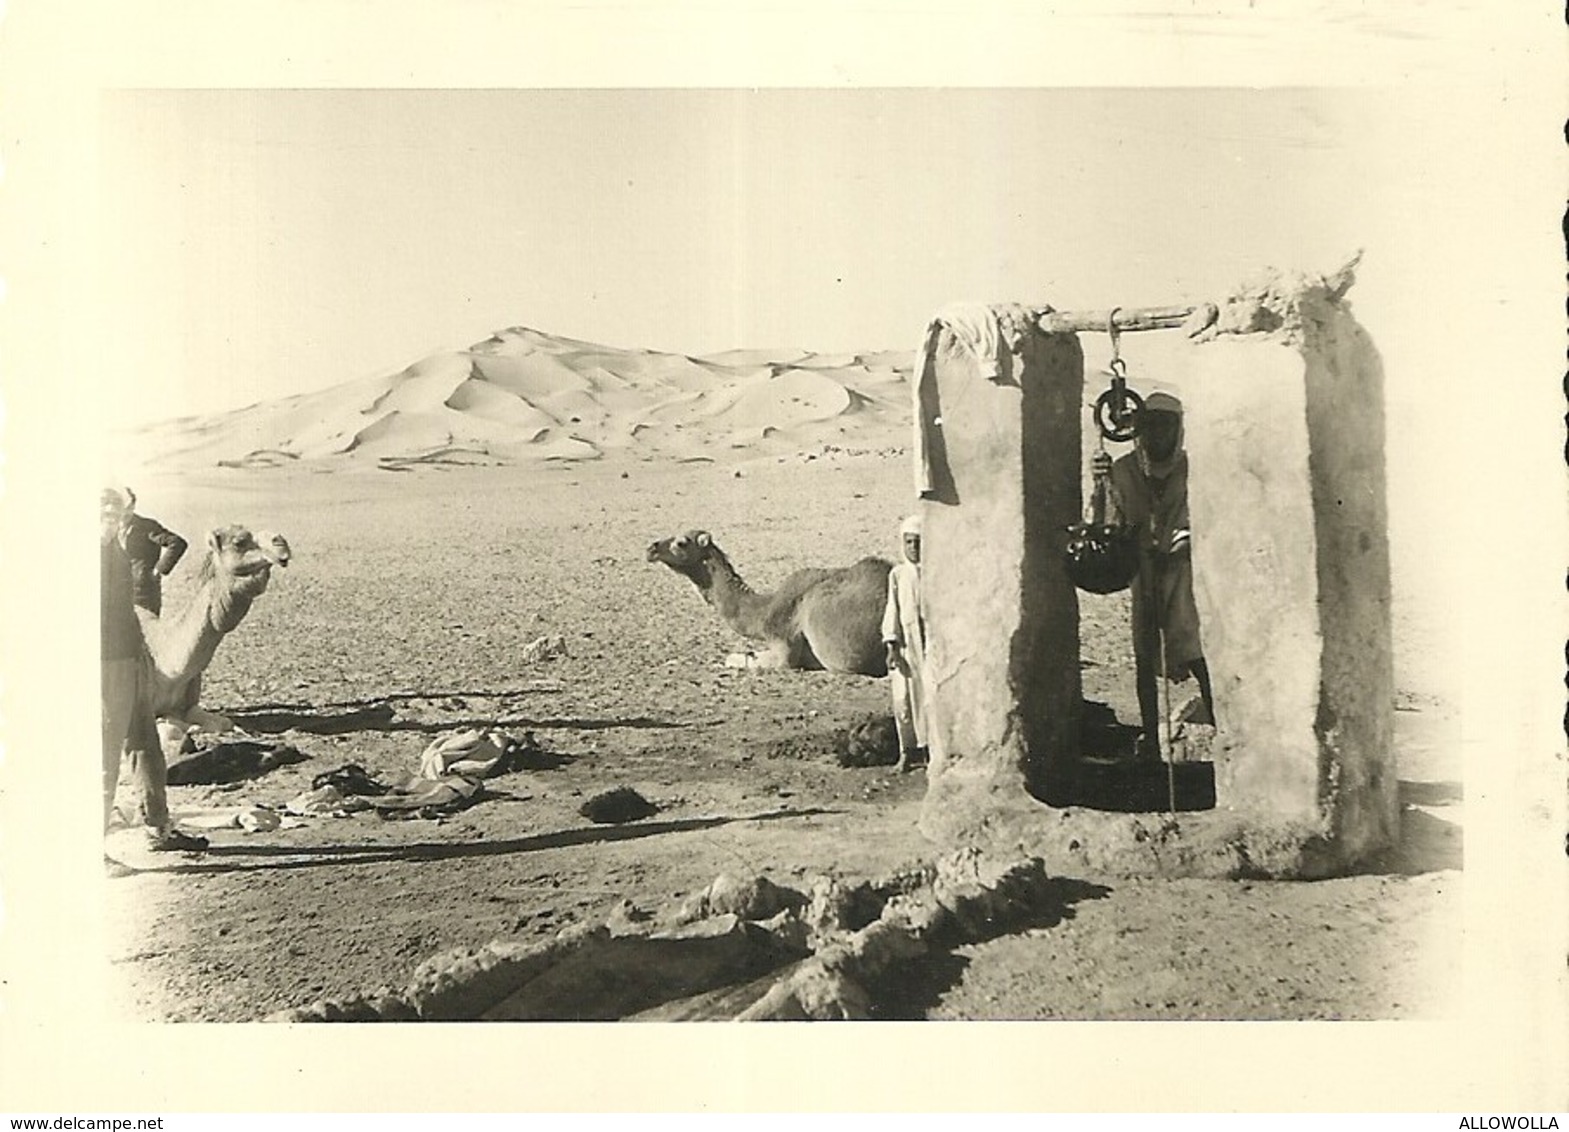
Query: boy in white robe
[[904, 635]]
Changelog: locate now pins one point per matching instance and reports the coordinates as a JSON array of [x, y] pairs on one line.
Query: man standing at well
[[1150, 486]]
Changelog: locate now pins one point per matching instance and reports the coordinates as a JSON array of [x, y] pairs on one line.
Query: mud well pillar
[[1002, 616], [1285, 432]]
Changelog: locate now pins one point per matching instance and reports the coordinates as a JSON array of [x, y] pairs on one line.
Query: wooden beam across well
[[1127, 318]]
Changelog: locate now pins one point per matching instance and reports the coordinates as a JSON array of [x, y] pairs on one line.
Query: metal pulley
[[1117, 409]]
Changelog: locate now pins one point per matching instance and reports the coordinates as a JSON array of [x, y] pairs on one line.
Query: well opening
[[1105, 768]]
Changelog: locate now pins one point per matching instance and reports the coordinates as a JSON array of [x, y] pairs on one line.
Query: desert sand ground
[[405, 614]]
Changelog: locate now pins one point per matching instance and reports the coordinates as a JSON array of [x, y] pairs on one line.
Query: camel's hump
[[868, 565], [872, 567], [870, 573]]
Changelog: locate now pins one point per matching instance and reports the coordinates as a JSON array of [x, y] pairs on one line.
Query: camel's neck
[[735, 601], [183, 645]]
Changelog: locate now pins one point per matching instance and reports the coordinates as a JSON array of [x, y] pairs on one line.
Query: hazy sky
[[258, 243]]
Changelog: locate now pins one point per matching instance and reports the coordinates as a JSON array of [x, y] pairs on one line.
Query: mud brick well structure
[[1285, 432], [1001, 614]]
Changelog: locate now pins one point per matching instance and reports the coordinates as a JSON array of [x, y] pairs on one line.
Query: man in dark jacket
[[154, 551], [123, 653], [1150, 487]]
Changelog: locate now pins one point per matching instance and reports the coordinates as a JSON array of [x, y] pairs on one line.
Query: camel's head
[[684, 553], [243, 561]]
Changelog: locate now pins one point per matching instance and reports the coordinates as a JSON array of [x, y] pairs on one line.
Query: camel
[[173, 652], [235, 573], [817, 618]]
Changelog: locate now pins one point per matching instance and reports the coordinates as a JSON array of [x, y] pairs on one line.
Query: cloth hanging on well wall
[[986, 330]]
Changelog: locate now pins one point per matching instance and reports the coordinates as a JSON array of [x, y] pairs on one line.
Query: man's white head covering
[[910, 526]]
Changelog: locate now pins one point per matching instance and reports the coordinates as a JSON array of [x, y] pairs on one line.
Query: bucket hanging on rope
[[1102, 554]]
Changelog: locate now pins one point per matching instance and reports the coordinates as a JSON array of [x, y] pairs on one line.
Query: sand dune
[[524, 395]]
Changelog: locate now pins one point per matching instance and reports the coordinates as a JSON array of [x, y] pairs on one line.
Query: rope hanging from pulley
[[1102, 553]]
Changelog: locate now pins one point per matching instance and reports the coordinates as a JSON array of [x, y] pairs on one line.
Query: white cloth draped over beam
[[986, 330]]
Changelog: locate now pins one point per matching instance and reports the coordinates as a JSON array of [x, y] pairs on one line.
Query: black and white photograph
[[885, 546]]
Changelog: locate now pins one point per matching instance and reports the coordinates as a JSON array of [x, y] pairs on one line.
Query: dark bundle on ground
[[623, 804], [872, 742], [527, 754], [350, 779], [232, 761]]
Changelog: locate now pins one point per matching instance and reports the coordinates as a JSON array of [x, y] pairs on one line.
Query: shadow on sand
[[1430, 793], [250, 858], [1429, 843], [379, 715]]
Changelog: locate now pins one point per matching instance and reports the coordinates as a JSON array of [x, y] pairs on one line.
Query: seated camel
[[172, 653], [817, 618]]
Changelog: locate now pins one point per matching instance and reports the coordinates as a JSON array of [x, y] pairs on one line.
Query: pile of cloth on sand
[[451, 778]]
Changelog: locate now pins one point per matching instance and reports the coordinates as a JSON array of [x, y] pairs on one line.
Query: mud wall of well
[[1283, 392]]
